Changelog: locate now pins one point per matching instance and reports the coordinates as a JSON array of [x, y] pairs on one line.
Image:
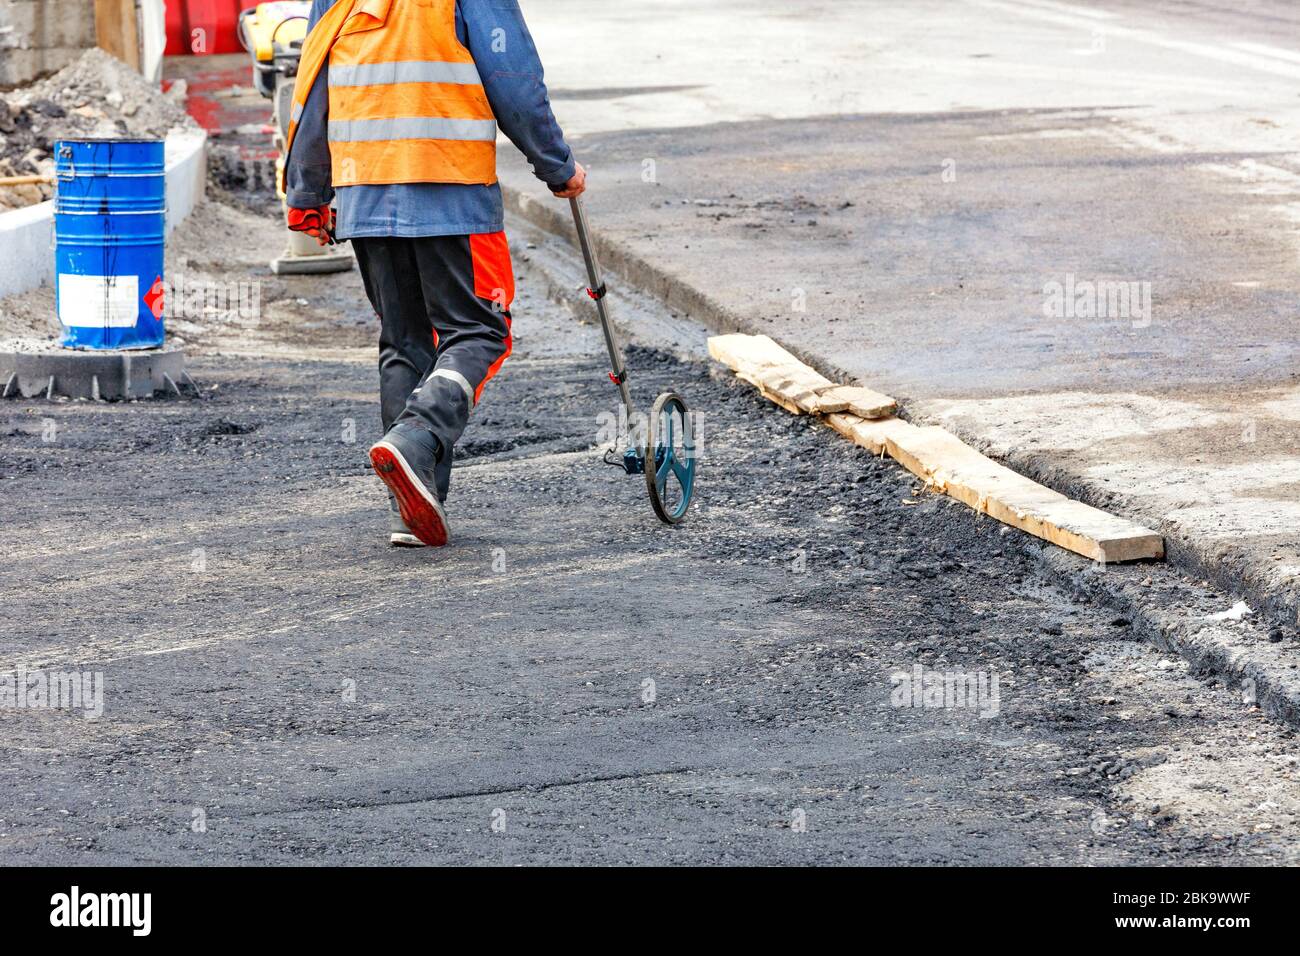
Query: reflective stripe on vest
[[406, 102], [406, 71], [371, 130]]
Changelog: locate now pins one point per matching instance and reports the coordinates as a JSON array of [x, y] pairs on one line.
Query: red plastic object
[[204, 27]]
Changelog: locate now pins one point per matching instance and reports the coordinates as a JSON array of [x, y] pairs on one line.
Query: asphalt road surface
[[899, 190], [568, 681]]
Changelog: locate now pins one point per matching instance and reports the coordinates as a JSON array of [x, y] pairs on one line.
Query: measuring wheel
[[670, 457], [666, 455]]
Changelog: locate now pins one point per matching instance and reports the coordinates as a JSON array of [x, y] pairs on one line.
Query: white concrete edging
[[27, 238], [27, 234], [187, 174]]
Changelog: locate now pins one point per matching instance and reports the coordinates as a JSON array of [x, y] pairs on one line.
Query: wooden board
[[116, 31], [790, 383], [872, 435], [857, 400], [938, 457], [25, 180], [948, 464], [750, 350]]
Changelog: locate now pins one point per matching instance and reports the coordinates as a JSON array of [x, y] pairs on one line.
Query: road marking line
[[1262, 49], [1073, 8], [1222, 54]]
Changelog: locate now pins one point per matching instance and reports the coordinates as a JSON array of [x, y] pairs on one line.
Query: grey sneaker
[[404, 460], [399, 535]]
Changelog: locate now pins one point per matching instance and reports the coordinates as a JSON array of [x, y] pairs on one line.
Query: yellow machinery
[[272, 33]]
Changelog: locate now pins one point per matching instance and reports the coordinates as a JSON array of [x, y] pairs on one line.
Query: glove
[[318, 223]]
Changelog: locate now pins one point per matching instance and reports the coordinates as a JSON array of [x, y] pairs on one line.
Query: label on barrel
[[98, 302], [155, 297]]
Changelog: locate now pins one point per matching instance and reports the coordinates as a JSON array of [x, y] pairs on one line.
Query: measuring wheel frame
[[659, 456]]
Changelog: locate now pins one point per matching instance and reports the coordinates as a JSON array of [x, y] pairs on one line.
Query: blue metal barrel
[[109, 226]]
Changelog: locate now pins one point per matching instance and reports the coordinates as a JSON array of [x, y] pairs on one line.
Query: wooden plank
[[938, 457], [116, 31], [748, 350], [25, 180], [857, 400], [780, 376], [948, 464], [795, 392], [872, 435], [790, 383]]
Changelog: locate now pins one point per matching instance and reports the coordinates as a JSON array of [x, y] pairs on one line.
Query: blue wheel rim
[[674, 458]]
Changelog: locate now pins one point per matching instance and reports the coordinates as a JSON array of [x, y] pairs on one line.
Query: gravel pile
[[95, 96]]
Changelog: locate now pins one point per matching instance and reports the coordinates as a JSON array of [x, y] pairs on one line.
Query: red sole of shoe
[[418, 514]]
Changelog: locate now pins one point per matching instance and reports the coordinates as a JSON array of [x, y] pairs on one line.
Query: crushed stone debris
[[95, 96]]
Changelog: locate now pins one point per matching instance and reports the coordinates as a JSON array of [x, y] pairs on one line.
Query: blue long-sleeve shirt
[[496, 36]]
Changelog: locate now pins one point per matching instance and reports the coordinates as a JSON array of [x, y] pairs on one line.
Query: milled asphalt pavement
[[896, 192], [569, 681]]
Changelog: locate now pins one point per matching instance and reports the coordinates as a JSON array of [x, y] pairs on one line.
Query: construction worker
[[396, 110]]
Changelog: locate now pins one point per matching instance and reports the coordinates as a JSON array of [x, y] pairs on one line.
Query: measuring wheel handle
[[667, 456]]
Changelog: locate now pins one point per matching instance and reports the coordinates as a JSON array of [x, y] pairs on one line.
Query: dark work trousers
[[444, 328]]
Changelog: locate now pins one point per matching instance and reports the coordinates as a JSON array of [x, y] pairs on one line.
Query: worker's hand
[[317, 223], [576, 186]]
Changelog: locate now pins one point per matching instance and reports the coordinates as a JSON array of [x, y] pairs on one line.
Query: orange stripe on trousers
[[494, 279]]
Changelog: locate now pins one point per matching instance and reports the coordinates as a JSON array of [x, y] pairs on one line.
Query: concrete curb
[[187, 174], [1236, 651], [553, 217], [27, 235], [110, 375], [1232, 574]]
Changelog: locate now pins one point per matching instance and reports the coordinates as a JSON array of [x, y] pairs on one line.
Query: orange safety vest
[[406, 104]]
